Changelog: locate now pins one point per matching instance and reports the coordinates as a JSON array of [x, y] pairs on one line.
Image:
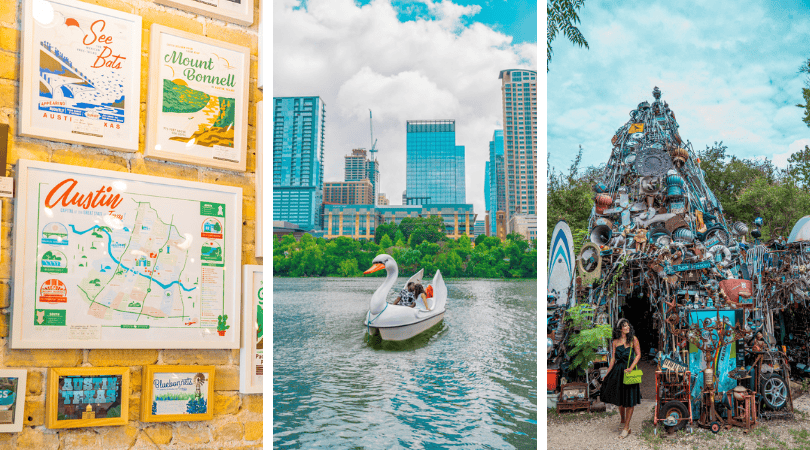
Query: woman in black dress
[[625, 347]]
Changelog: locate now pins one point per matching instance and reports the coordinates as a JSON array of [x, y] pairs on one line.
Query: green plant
[[221, 320], [590, 337]]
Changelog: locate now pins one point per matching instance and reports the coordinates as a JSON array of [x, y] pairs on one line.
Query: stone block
[[5, 288], [80, 438], [3, 325], [9, 66], [134, 408], [199, 434], [9, 40], [170, 18], [199, 357], [43, 358], [34, 412], [235, 35], [89, 158], [8, 12], [225, 403], [230, 432], [160, 434], [253, 431], [112, 357], [37, 438], [135, 379], [253, 403], [150, 167], [240, 180], [28, 149], [119, 437], [8, 94], [33, 382], [226, 378]]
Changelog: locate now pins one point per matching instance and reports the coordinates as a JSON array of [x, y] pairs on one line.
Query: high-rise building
[[359, 167], [519, 93], [495, 188], [435, 164], [382, 200], [348, 192], [298, 149]]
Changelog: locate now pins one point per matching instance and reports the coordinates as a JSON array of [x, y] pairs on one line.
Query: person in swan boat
[[406, 296]]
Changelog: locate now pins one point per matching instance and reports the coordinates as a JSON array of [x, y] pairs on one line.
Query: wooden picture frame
[[107, 259], [235, 11], [80, 74], [251, 355], [73, 392], [12, 404], [177, 393], [198, 100], [258, 243]]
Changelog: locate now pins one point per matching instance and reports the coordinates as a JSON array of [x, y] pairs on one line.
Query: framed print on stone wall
[[80, 76], [107, 259], [12, 399], [236, 11], [177, 393], [87, 397], [259, 180], [251, 355], [198, 100]]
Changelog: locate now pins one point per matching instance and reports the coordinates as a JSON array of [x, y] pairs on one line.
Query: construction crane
[[373, 150]]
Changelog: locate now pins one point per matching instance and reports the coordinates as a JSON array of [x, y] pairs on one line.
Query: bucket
[[552, 400], [553, 379]]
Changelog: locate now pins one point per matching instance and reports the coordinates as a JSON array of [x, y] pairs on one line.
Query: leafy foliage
[[562, 18], [805, 68], [590, 337], [197, 406]]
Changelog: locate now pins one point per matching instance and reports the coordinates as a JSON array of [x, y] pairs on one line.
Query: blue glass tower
[[495, 181], [298, 147], [435, 164]]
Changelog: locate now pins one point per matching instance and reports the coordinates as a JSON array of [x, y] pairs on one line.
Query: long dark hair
[[418, 289], [617, 331]]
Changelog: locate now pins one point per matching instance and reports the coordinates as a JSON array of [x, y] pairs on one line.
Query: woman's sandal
[[626, 432], [621, 427]]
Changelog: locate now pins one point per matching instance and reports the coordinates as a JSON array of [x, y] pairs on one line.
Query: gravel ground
[[600, 431]]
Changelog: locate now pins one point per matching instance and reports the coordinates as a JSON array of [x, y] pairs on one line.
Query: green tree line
[[746, 189], [417, 243]]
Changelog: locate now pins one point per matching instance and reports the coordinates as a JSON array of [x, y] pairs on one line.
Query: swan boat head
[[380, 262]]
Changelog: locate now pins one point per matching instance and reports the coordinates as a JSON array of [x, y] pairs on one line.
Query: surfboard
[[562, 265]]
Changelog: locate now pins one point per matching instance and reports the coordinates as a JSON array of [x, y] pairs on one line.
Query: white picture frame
[[17, 408], [198, 100], [251, 365], [235, 11], [106, 259], [259, 178], [80, 74]]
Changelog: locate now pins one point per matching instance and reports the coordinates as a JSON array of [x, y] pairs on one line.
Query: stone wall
[[237, 419]]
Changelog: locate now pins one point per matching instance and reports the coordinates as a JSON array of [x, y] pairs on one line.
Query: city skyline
[[441, 63]]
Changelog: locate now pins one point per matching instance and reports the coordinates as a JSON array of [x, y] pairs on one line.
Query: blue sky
[[404, 60], [729, 71]]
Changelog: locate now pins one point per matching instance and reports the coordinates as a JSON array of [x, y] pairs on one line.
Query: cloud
[[727, 69], [358, 58]]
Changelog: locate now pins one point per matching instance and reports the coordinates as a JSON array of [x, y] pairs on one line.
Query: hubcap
[[775, 391]]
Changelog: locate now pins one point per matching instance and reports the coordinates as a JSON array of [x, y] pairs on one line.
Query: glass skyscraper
[[494, 182], [435, 164], [298, 147], [519, 91], [358, 167]]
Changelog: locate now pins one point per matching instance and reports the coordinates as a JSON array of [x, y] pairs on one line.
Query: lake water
[[470, 381]]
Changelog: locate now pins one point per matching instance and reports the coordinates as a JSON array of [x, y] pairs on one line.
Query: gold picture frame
[[71, 392], [167, 390]]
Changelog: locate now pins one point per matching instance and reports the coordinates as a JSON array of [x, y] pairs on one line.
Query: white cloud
[[360, 58]]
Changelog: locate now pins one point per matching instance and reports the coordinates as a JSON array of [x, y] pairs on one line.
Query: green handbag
[[634, 377]]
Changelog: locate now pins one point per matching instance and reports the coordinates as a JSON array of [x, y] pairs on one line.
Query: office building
[[382, 200], [494, 181], [359, 167], [435, 164], [519, 94], [298, 149], [348, 192], [524, 225]]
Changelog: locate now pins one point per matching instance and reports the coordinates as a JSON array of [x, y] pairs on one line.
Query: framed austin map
[[116, 260], [80, 74], [251, 355], [236, 11], [198, 100]]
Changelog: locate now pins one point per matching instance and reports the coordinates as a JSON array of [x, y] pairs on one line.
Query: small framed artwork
[[236, 11], [251, 355], [177, 393], [87, 397], [80, 74], [12, 399], [198, 100], [259, 172]]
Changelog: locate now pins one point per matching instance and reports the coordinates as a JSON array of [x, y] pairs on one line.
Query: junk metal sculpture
[[659, 239]]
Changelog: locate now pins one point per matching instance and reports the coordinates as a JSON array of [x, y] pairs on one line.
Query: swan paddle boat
[[396, 322]]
